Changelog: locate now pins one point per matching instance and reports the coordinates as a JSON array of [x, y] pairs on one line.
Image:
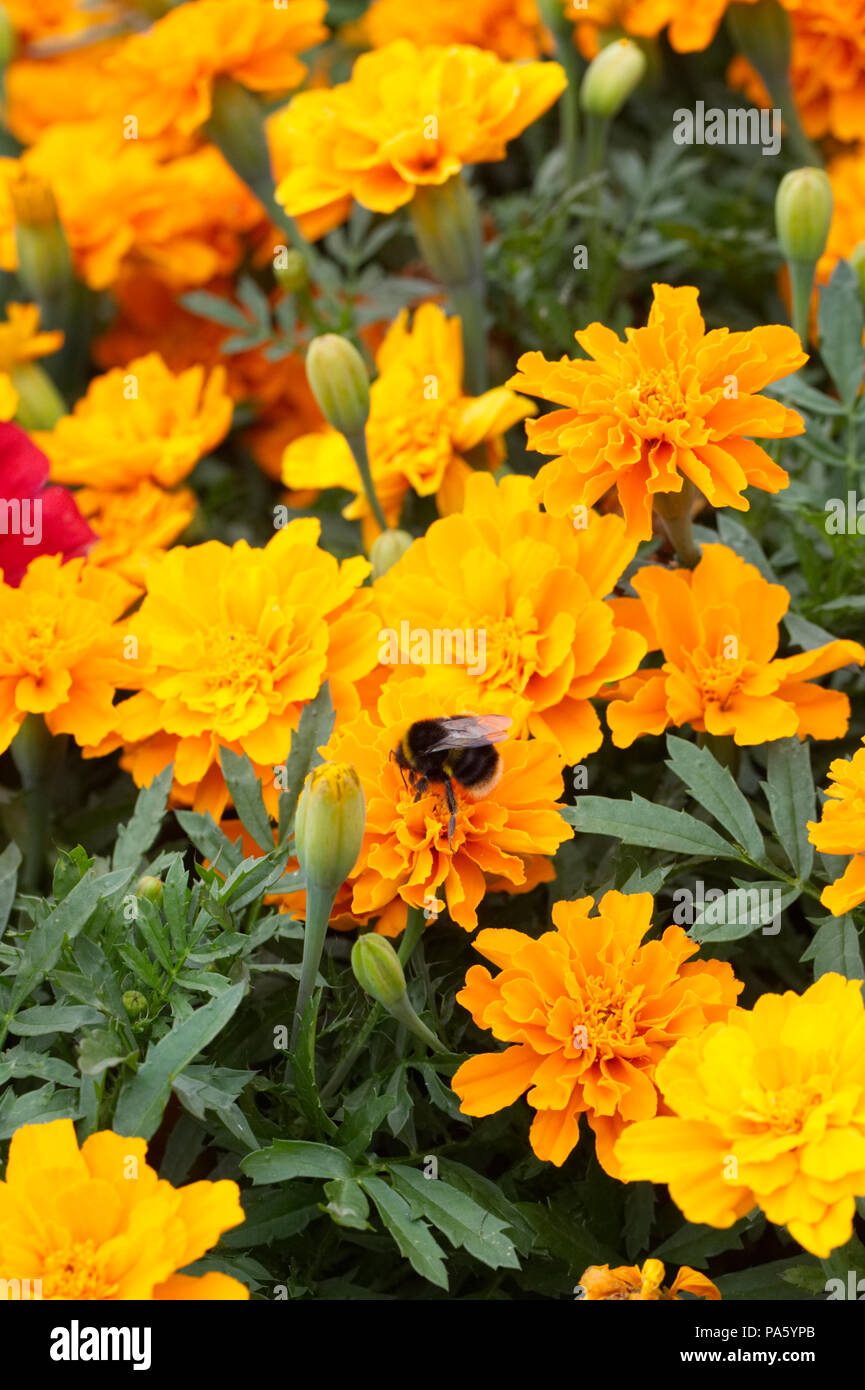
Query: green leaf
[[840, 323], [347, 1204], [36, 1107], [100, 1049], [695, 1244], [215, 308], [356, 1131], [790, 793], [714, 788], [10, 860], [413, 1238], [246, 794], [135, 838], [742, 910], [835, 947], [54, 1018], [793, 389], [463, 1221], [314, 729], [143, 1099], [286, 1159], [767, 1282], [639, 1217], [641, 822], [305, 1083], [209, 840], [19, 1063]]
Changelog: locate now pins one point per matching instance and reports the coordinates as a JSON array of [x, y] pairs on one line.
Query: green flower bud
[[44, 259], [328, 828], [803, 214], [857, 260], [377, 969], [134, 1003], [387, 548], [339, 380], [289, 270], [447, 228], [611, 78], [149, 887], [40, 404], [8, 38]]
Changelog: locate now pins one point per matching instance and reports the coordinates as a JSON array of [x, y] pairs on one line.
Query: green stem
[[414, 926], [447, 228], [569, 106], [31, 753], [339, 1074], [357, 444], [319, 905], [469, 302], [762, 32], [801, 286], [675, 511]]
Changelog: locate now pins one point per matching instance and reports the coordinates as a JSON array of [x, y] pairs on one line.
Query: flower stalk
[[447, 228], [762, 32], [675, 510]]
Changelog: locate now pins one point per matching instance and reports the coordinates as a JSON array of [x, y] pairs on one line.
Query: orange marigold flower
[[407, 116], [827, 69], [139, 422], [61, 649], [529, 587], [33, 82], [134, 524], [768, 1110], [717, 626], [841, 830], [671, 404], [20, 343], [421, 424], [589, 1013], [166, 75], [98, 1223], [41, 19], [232, 641], [634, 1285], [690, 28], [407, 858], [509, 28]]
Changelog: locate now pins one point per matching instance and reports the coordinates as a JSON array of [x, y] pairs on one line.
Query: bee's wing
[[471, 730]]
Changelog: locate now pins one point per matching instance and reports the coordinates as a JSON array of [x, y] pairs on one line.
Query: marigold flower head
[[768, 1110], [139, 422], [509, 28], [717, 626], [232, 641], [841, 830], [421, 424], [672, 403], [134, 524], [39, 520], [631, 1284], [34, 80], [39, 19], [97, 1223], [534, 587], [407, 854], [589, 1012], [690, 28], [407, 116], [61, 649], [166, 75]]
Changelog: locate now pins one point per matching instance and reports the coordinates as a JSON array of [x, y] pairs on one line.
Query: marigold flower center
[[658, 398], [230, 664], [784, 1111], [608, 1019], [74, 1272], [511, 650], [719, 677]]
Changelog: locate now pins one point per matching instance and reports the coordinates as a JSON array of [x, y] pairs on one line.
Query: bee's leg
[[422, 784], [452, 805]]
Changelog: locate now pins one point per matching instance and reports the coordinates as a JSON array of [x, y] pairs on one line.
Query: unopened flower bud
[[149, 887], [857, 260], [289, 270], [339, 380], [328, 828], [803, 214], [611, 78], [134, 1003], [8, 38], [44, 259], [387, 549], [377, 969]]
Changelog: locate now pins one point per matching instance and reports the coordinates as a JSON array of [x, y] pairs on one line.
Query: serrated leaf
[[54, 1018], [100, 1049], [347, 1204], [135, 838], [10, 861], [639, 1216], [245, 790], [743, 910], [790, 792], [641, 822], [835, 947], [305, 1082], [209, 840], [840, 324], [714, 788], [413, 1238], [695, 1244], [314, 729], [143, 1099], [462, 1220], [286, 1159]]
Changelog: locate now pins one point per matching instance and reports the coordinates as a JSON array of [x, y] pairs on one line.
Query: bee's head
[[400, 756]]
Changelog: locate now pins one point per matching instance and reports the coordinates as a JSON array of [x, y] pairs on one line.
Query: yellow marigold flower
[[671, 404], [841, 830], [166, 75], [42, 19], [530, 588], [509, 28], [690, 28], [827, 69], [98, 1223], [421, 424], [232, 641], [61, 650], [128, 205], [21, 342], [589, 1012], [768, 1110], [407, 116], [139, 422], [407, 855], [134, 524], [631, 1284], [717, 627]]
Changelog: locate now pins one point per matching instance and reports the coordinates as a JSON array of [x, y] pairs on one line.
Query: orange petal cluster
[[841, 831], [630, 1283]]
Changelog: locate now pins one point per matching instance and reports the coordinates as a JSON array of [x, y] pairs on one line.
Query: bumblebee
[[457, 749]]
